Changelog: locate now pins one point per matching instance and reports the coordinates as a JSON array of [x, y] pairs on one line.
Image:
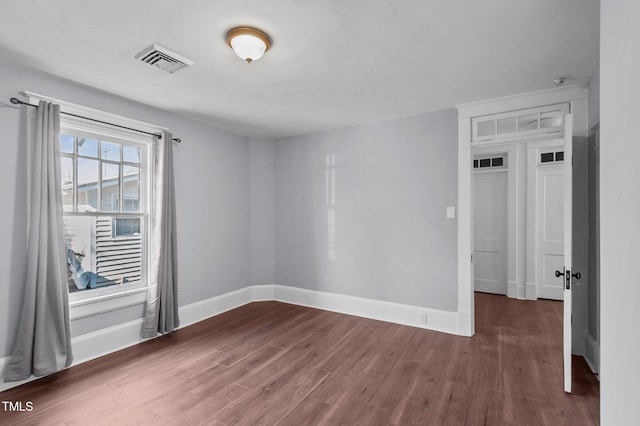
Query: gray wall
[[212, 186], [619, 211], [262, 220], [393, 182]]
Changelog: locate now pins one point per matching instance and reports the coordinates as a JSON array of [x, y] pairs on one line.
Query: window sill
[[98, 304]]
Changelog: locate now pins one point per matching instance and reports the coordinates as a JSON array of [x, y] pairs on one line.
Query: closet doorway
[[549, 224], [490, 223]]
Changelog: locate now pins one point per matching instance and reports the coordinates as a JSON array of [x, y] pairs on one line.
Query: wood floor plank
[[194, 407], [320, 326], [274, 363], [308, 412], [253, 339], [359, 367], [271, 402], [313, 347], [89, 409]]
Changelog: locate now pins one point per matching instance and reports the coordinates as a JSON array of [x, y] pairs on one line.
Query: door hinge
[[471, 257]]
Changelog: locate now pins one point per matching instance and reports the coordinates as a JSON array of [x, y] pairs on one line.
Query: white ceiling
[[333, 63]]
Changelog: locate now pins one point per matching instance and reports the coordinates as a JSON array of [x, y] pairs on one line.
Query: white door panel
[[549, 230], [490, 231]]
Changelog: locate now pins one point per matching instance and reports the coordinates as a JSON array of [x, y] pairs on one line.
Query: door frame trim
[[575, 95]]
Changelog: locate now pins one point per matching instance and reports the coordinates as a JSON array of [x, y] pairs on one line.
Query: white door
[[568, 223], [549, 216], [490, 231]]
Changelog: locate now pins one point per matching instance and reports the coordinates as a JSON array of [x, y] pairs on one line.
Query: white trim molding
[[576, 96], [415, 316], [466, 308], [567, 93], [82, 308], [515, 290], [102, 342], [531, 291], [203, 309]]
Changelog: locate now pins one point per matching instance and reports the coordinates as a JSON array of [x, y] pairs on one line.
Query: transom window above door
[[516, 124], [552, 157], [490, 162]]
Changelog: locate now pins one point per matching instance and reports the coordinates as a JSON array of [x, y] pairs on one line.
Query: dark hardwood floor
[[274, 363]]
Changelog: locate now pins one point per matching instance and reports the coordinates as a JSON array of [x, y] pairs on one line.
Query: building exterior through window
[[104, 192]]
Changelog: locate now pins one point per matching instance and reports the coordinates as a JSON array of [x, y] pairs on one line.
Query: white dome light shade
[[248, 43], [248, 47]]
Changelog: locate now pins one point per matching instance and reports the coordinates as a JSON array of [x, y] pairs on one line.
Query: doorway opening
[[523, 126], [518, 218]]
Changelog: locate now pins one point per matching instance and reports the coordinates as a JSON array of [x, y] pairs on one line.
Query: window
[[490, 163], [515, 124], [125, 227], [106, 180], [546, 157], [104, 191], [552, 157]]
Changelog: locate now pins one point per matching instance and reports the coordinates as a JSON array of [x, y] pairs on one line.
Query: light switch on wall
[[451, 212]]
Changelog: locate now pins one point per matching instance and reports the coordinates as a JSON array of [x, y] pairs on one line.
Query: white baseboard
[[398, 313], [102, 342], [516, 290], [592, 353], [512, 289], [465, 321], [262, 293], [203, 309], [530, 290]]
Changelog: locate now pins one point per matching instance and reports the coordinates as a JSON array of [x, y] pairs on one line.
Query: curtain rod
[[17, 101]]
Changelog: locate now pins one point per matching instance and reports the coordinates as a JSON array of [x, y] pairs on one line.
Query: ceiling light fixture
[[249, 44]]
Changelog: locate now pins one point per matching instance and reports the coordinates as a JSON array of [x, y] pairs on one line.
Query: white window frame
[[106, 299], [563, 108]]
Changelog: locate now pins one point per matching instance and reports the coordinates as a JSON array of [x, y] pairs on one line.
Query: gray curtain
[[161, 313], [43, 340]]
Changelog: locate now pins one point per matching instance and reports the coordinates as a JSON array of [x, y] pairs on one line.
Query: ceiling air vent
[[163, 58]]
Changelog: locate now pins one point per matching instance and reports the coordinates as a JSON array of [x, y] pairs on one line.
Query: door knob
[[577, 275]]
